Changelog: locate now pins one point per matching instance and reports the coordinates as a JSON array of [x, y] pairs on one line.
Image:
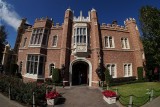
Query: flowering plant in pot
[[52, 97], [109, 96]]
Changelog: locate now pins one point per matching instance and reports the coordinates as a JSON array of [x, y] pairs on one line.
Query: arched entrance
[[80, 71], [77, 67]]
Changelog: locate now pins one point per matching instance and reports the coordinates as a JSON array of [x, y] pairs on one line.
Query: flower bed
[[109, 96], [52, 97]]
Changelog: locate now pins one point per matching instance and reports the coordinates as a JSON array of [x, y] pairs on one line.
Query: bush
[[123, 80], [140, 73], [23, 92], [56, 75], [108, 77]]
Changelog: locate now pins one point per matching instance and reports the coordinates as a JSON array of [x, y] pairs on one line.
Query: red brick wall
[[62, 53]]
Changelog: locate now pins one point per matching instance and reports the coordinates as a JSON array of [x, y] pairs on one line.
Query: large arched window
[[52, 66]]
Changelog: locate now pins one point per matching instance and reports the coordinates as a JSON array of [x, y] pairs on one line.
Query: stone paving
[[82, 96]]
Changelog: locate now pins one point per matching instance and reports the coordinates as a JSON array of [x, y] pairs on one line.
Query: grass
[[138, 90]]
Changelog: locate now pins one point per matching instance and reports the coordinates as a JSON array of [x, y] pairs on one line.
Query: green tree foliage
[[140, 73], [150, 25], [108, 77], [56, 75], [3, 34]]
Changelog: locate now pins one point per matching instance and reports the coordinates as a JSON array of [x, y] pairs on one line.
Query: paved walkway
[[82, 96], [5, 102], [154, 103]]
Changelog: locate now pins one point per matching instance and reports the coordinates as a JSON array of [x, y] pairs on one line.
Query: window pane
[[125, 70], [84, 39], [39, 39], [113, 70], [80, 38], [40, 72], [32, 68], [54, 40], [129, 69], [106, 41], [122, 42], [77, 30], [84, 31], [126, 42], [28, 66], [110, 41], [35, 67]]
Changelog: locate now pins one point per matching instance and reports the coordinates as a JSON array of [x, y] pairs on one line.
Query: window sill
[[33, 76]]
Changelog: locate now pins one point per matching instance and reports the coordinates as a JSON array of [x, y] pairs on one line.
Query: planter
[[110, 100], [52, 101]]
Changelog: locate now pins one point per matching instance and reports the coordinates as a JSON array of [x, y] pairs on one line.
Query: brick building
[[81, 44]]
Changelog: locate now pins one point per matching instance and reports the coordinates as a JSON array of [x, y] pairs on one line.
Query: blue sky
[[108, 10]]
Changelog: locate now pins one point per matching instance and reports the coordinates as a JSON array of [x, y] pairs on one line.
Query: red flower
[[52, 95], [109, 93]]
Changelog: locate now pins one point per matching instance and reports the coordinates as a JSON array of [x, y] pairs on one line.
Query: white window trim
[[113, 43], [110, 69], [33, 76], [127, 70], [123, 40], [35, 45], [50, 76], [56, 41]]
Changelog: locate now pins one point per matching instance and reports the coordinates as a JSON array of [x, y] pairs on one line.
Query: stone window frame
[[107, 42], [79, 37], [110, 67], [125, 70], [125, 43], [31, 61], [37, 37], [53, 42]]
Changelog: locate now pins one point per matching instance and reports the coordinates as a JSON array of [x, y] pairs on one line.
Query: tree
[[108, 77], [3, 34], [150, 25], [3, 37]]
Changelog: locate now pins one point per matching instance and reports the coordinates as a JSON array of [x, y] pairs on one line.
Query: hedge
[[23, 92]]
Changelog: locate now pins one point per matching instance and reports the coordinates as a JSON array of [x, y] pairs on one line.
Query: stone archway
[[80, 72]]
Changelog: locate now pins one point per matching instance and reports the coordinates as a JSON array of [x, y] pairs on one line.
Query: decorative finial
[[69, 8], [93, 9]]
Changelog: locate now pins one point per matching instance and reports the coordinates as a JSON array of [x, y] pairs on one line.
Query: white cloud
[[9, 15]]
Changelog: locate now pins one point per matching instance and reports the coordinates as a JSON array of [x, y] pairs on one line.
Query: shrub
[[23, 92], [140, 73], [108, 77], [123, 80], [56, 75]]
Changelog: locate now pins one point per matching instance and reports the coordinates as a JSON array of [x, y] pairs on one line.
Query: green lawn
[[138, 90]]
